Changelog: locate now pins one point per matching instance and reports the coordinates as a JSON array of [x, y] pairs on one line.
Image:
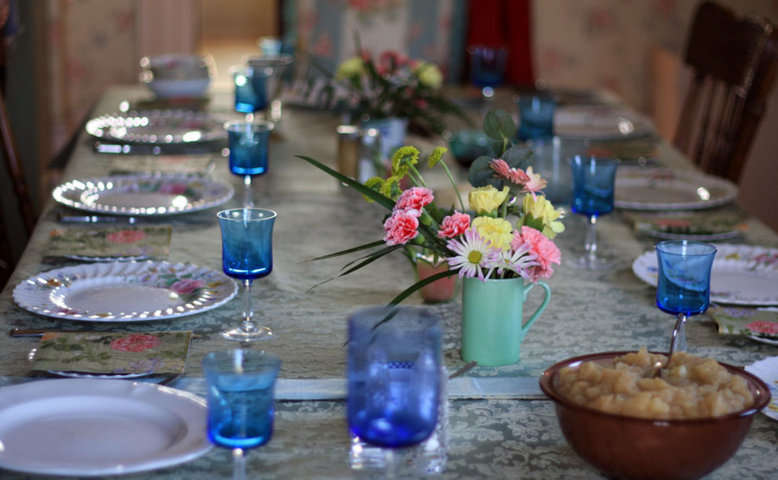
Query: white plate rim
[[99, 127], [68, 193], [642, 126], [767, 371], [188, 407], [642, 174], [28, 296], [642, 264]]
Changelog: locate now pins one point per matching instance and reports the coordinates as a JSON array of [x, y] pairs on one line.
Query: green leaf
[[365, 246], [370, 259], [421, 283], [481, 174], [499, 125], [518, 156], [372, 194]]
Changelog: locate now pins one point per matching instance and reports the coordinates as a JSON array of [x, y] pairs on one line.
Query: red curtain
[[504, 23]]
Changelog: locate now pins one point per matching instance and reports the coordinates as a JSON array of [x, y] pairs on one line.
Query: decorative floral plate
[[90, 427], [767, 370], [124, 291], [758, 324], [640, 188], [741, 275], [168, 126], [145, 194]]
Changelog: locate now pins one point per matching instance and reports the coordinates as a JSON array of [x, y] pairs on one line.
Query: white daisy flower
[[518, 260], [473, 255]]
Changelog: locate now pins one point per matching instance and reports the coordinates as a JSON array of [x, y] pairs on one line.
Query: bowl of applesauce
[[628, 423]]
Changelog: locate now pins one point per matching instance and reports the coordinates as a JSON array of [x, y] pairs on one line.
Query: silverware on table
[[96, 219], [27, 332]]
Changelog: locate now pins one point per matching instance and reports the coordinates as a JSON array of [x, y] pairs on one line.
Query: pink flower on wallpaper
[[76, 71], [599, 18], [308, 21], [323, 46], [445, 22], [186, 286], [125, 21], [359, 4], [135, 343], [770, 328], [414, 31], [126, 236]]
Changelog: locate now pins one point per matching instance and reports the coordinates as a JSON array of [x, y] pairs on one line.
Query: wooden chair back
[[718, 119]]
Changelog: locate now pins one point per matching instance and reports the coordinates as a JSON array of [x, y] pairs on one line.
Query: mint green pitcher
[[492, 319]]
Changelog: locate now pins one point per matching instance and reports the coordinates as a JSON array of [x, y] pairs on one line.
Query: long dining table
[[491, 435]]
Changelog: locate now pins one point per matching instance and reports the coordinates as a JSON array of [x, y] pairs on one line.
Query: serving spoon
[[676, 342]]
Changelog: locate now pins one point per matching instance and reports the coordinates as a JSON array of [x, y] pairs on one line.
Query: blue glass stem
[[248, 310], [591, 239], [238, 464], [248, 201], [678, 342]]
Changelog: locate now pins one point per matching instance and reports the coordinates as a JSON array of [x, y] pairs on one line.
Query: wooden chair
[[733, 72]]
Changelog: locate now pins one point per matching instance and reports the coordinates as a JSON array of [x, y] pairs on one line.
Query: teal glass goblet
[[683, 282], [247, 254]]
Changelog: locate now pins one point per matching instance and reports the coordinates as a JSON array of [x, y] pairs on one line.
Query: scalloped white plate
[[741, 274], [173, 126], [639, 188], [767, 371], [124, 291], [143, 194], [83, 427]]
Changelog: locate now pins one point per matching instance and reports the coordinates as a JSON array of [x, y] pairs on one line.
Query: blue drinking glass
[[241, 386], [246, 100], [683, 282], [247, 254], [487, 68], [249, 150], [593, 189], [536, 117], [394, 375]]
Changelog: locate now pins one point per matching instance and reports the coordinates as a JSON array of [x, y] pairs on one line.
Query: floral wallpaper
[[608, 43], [92, 45]]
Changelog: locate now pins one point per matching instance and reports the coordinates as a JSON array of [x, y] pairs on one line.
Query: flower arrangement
[[391, 86], [507, 231]]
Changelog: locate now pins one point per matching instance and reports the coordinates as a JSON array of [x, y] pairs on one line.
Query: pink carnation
[[401, 227], [761, 326], [454, 225], [414, 198], [545, 251]]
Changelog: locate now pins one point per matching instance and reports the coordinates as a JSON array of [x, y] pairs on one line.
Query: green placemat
[[746, 321], [128, 241], [159, 353]]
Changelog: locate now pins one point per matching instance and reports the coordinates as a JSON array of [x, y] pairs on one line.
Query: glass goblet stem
[[591, 239], [238, 464], [678, 342], [248, 309], [248, 201]]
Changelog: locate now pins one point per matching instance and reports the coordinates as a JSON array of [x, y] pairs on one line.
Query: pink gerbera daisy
[[515, 175]]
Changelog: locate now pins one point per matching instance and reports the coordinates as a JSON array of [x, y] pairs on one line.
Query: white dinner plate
[[83, 427], [143, 194], [767, 371], [741, 274], [158, 127], [599, 122], [640, 188], [124, 291]]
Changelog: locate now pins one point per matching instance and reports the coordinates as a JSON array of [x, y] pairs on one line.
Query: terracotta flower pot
[[440, 290]]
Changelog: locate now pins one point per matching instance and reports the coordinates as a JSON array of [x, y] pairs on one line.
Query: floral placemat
[[698, 225], [746, 321], [158, 353], [111, 242]]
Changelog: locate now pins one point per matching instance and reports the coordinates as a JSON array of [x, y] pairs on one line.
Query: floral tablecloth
[[489, 438]]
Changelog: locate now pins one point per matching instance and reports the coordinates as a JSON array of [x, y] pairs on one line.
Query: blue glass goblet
[[246, 100], [593, 188], [394, 375], [487, 68], [249, 145], [268, 72], [247, 254], [683, 283], [536, 117], [241, 386]]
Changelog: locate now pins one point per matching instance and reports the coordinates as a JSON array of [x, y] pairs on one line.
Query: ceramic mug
[[492, 319]]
